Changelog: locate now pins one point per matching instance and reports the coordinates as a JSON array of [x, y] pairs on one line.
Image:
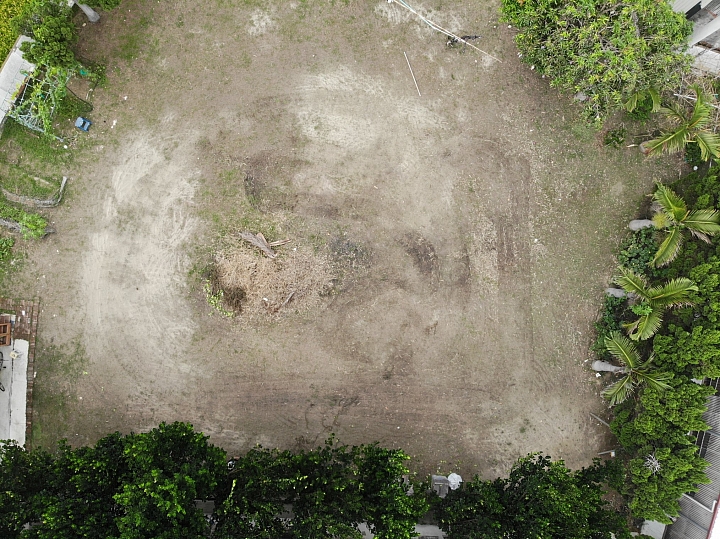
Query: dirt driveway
[[482, 220]]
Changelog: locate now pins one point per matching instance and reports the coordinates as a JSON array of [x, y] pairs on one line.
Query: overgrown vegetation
[[144, 486], [540, 499], [32, 225], [49, 23], [18, 180], [605, 53], [656, 427], [9, 9]]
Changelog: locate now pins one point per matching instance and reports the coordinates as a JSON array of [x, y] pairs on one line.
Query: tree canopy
[[541, 499], [607, 52], [49, 23], [147, 486]]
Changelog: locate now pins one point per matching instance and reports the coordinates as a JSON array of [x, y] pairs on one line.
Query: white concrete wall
[[12, 77]]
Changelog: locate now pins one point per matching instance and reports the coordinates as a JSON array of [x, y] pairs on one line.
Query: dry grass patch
[[255, 287]]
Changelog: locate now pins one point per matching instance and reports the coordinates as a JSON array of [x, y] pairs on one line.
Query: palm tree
[[635, 370], [674, 216], [640, 97], [652, 301], [692, 127]]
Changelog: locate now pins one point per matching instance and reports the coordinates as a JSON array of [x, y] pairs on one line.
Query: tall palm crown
[[653, 301], [674, 216], [635, 370], [691, 126]]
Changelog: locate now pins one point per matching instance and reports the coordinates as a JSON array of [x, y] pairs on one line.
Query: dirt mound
[[258, 288]]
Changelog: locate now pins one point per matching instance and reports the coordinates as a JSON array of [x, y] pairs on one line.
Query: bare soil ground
[[468, 235]]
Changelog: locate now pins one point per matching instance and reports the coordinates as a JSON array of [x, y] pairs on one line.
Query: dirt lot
[[467, 234]]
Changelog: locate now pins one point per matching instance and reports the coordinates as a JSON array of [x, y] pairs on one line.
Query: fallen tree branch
[[258, 241]]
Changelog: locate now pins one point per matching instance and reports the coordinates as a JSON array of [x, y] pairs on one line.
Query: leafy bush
[[696, 353], [659, 424], [642, 110], [609, 52], [610, 320], [693, 155], [6, 245], [49, 23], [331, 489], [656, 495], [144, 486], [539, 499], [615, 137], [637, 252], [8, 10], [105, 5]]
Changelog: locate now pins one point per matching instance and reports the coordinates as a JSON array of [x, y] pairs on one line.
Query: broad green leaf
[[646, 326], [622, 349], [674, 292], [669, 248], [656, 380], [709, 144], [670, 202], [619, 391]]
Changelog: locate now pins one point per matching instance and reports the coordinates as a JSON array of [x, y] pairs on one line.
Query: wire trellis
[[37, 99]]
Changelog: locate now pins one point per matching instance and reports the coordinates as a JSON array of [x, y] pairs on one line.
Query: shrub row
[[661, 426]]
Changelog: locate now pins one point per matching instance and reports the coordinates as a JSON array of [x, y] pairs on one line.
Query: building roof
[[12, 76]]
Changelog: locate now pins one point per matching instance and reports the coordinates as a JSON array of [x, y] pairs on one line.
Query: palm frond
[[709, 144], [701, 109], [622, 349], [675, 112], [646, 326], [619, 391], [707, 222], [670, 202], [662, 220], [631, 328], [655, 380], [632, 102], [646, 365], [671, 142], [655, 97], [669, 248], [632, 283], [674, 292]]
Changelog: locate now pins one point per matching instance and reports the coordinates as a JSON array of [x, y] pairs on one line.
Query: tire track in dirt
[[515, 274], [134, 268]]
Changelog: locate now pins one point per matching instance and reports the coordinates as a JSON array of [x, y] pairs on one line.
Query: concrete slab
[[706, 59], [654, 529], [12, 76], [13, 401]]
